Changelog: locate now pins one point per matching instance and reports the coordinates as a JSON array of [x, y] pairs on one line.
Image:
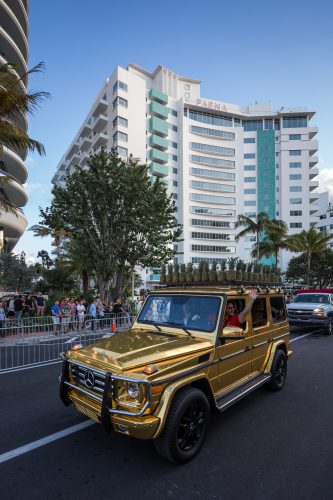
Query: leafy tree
[[123, 217], [60, 281], [275, 239], [79, 260], [14, 273], [321, 274], [309, 243], [15, 101], [255, 226]]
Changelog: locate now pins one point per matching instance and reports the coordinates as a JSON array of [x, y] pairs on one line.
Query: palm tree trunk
[[258, 246], [309, 269]]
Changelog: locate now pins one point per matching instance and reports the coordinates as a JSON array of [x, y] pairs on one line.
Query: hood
[[126, 350], [305, 306]]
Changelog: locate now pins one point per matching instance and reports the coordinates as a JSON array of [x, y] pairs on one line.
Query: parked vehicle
[[160, 379], [312, 308]]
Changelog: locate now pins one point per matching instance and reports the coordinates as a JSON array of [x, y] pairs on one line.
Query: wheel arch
[[281, 345]]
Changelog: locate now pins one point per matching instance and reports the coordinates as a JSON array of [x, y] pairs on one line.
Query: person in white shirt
[[80, 309]]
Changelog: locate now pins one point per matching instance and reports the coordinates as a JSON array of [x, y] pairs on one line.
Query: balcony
[[312, 132], [313, 173], [313, 160], [86, 143], [313, 147], [13, 191], [11, 52], [158, 142], [158, 155], [101, 140], [313, 185], [154, 277], [12, 163], [101, 107], [158, 110], [87, 128], [156, 95], [314, 198], [74, 160], [13, 226], [20, 13], [158, 126], [100, 123], [13, 28], [158, 169]]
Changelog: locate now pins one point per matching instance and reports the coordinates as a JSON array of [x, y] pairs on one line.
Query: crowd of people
[[68, 313]]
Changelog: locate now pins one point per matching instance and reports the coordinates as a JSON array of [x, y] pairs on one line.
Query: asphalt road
[[268, 446]]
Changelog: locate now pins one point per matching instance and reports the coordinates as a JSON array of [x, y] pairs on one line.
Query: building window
[[295, 225], [295, 177], [207, 148], [249, 167], [174, 170], [187, 87], [211, 186], [212, 223], [172, 127], [120, 136], [250, 203], [221, 200], [295, 152], [268, 124], [321, 217], [122, 151], [295, 137], [211, 248], [249, 140], [295, 201], [202, 172], [119, 101], [249, 179], [295, 164], [119, 85], [295, 122], [295, 189], [252, 125], [210, 236], [211, 132], [217, 212], [250, 191], [295, 213], [218, 162], [175, 183], [119, 120], [173, 144], [249, 156], [175, 158], [221, 121]]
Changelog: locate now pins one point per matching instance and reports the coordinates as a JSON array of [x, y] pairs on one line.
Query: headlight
[[132, 390], [318, 311]]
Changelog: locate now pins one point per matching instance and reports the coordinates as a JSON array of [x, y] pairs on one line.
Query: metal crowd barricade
[[38, 340]]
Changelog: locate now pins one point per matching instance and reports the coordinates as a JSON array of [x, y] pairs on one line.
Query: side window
[[259, 313], [278, 309]]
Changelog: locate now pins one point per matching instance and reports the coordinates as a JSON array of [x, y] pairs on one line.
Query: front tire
[[186, 426], [329, 327], [278, 372]]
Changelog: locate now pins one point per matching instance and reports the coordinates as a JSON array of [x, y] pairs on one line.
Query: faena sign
[[211, 104]]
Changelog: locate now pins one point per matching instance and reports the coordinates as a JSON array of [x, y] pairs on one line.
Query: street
[[268, 446]]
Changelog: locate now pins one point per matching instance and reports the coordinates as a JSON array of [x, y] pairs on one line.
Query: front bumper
[[319, 322], [139, 425]]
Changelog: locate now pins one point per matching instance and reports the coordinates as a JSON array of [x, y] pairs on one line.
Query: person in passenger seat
[[231, 317]]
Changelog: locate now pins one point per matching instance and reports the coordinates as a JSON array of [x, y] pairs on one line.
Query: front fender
[[275, 346]]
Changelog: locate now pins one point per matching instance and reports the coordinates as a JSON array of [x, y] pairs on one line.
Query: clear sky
[[242, 51]]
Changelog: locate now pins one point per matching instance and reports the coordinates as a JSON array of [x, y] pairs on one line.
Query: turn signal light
[[149, 369]]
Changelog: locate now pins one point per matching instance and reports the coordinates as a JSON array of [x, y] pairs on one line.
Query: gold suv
[[182, 357]]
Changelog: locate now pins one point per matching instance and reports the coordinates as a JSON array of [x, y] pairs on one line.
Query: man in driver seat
[[231, 317]]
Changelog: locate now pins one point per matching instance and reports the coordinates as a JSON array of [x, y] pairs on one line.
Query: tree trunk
[[85, 282], [258, 247], [309, 269]]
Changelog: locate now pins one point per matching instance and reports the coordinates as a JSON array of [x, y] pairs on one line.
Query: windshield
[[182, 311], [314, 298]]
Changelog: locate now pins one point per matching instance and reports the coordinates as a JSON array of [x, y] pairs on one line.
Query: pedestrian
[[10, 306], [2, 319], [18, 309], [92, 314], [29, 305], [127, 312], [56, 316], [65, 316], [118, 310], [81, 310], [40, 304], [73, 313], [138, 304]]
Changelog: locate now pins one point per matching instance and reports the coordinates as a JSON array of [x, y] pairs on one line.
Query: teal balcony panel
[[156, 95], [158, 142], [159, 170], [159, 110], [158, 126], [154, 277], [158, 155]]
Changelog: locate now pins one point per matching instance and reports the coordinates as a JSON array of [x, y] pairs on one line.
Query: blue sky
[[278, 52]]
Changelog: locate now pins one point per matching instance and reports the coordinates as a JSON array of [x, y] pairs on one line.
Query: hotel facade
[[14, 50], [218, 159]]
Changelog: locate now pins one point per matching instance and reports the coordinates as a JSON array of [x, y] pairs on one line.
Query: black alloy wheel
[[279, 371]]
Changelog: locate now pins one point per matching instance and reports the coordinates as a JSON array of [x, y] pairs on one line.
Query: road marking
[[48, 439], [305, 335]]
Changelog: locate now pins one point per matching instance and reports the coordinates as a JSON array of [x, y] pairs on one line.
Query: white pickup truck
[[312, 308]]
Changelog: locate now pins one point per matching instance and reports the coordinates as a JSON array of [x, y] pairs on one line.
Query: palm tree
[[15, 103], [253, 226], [309, 243], [274, 240], [78, 259]]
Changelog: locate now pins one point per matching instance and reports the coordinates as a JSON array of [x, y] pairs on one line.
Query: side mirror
[[232, 332]]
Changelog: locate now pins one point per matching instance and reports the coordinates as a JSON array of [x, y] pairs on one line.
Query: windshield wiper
[[152, 323], [177, 325]]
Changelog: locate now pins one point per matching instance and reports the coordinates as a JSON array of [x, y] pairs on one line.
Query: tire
[[279, 371], [186, 426], [329, 327]]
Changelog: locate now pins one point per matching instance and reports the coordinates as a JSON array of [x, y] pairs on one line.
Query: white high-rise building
[[219, 160], [14, 50], [325, 215]]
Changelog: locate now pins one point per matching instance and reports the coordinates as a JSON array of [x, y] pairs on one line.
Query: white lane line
[[46, 440], [305, 335]]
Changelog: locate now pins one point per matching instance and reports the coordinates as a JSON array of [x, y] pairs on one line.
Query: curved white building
[[13, 50], [218, 159]]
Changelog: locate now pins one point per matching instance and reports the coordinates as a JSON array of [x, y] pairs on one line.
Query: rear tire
[[278, 372], [186, 426]]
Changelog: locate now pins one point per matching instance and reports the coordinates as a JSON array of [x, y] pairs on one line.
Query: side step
[[229, 399]]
